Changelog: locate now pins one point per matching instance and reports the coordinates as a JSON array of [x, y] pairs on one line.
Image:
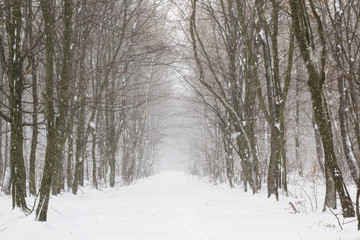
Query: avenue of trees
[[270, 82]]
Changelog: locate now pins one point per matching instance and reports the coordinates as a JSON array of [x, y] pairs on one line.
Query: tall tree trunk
[[34, 139], [319, 107], [297, 129], [16, 85], [63, 97], [52, 136]]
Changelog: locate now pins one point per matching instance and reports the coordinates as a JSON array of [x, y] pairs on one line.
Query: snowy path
[[169, 206]]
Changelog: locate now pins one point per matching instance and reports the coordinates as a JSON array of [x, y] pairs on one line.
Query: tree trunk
[[297, 131], [348, 147], [319, 148], [18, 180], [52, 136], [6, 186], [63, 97], [330, 191], [319, 107], [2, 163], [93, 154], [229, 161], [34, 139], [358, 203], [79, 161], [112, 169], [355, 109], [69, 159]]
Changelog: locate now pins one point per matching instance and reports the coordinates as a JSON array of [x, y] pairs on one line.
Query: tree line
[[258, 66], [78, 99]]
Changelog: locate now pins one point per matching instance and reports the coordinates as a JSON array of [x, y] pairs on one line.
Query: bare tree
[[52, 136], [15, 73], [317, 76]]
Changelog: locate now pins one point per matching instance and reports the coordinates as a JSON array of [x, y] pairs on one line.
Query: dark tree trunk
[[6, 186], [273, 168], [322, 121], [63, 97], [52, 136], [69, 160], [34, 139], [16, 87]]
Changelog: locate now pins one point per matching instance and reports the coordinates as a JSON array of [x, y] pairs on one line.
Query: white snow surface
[[171, 206]]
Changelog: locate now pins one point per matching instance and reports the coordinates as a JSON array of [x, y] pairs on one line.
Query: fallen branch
[[293, 207]]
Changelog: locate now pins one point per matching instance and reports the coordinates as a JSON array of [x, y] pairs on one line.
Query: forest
[[255, 94]]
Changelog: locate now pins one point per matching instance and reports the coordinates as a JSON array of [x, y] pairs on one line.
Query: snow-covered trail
[[169, 206]]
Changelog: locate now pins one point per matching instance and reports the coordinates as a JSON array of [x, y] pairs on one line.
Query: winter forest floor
[[171, 206]]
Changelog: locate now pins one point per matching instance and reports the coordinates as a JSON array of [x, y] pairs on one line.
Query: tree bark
[[319, 148], [79, 144], [6, 186], [69, 160], [52, 136], [34, 139], [63, 96], [16, 87]]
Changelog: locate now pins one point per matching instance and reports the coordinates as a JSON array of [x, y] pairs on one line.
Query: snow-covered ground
[[170, 206]]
